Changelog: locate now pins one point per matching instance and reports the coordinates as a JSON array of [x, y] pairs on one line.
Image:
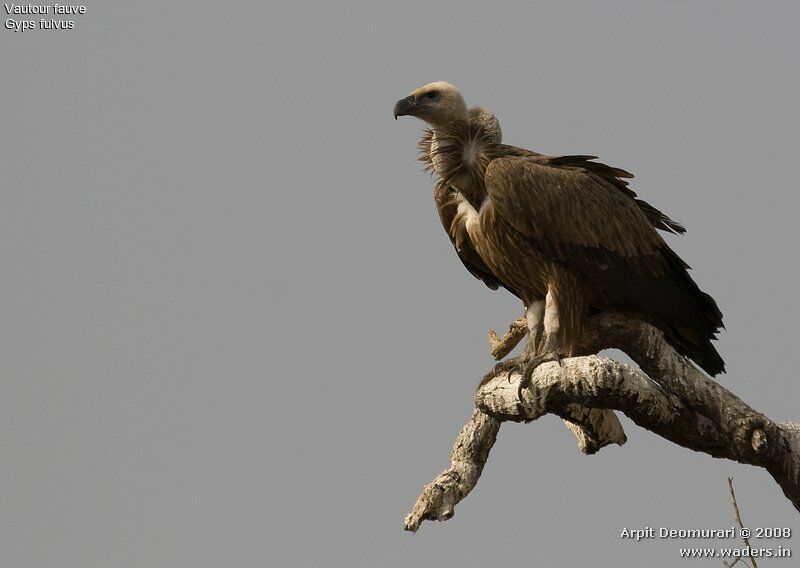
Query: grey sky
[[235, 334]]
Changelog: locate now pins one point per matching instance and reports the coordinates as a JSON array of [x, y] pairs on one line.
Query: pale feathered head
[[436, 103]]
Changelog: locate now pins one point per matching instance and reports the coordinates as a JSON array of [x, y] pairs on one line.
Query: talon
[[507, 366], [503, 367], [527, 375], [524, 366]]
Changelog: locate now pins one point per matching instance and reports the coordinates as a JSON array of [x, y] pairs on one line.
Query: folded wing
[[586, 219]]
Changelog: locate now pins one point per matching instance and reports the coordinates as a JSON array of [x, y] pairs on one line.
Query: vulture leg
[[551, 327], [534, 316], [538, 351], [542, 320]]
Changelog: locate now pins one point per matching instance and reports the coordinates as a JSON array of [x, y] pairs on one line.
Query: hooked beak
[[405, 106]]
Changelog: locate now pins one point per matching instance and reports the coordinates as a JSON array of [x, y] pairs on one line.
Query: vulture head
[[436, 103]]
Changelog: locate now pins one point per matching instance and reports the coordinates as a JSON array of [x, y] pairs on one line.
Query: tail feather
[[663, 292], [693, 323]]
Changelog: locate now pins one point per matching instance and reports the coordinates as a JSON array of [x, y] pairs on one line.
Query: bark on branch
[[668, 396]]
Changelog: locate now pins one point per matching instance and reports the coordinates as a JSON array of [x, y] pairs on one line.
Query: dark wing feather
[[615, 176], [568, 205], [611, 175], [576, 215]]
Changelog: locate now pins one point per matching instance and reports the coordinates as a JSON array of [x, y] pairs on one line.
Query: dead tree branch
[[668, 396], [500, 347]]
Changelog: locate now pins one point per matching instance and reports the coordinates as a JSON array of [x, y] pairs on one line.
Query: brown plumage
[[565, 229]]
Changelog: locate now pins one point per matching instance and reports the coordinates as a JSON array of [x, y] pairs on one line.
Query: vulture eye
[[433, 95]]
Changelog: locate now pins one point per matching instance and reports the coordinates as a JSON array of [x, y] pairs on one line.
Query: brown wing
[[615, 177], [592, 227], [568, 205]]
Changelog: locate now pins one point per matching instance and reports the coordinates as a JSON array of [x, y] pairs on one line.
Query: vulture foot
[[528, 365], [524, 365]]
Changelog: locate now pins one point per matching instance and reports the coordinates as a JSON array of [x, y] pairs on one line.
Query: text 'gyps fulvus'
[[564, 234]]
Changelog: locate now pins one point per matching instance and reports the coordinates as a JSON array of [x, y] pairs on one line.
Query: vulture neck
[[459, 154]]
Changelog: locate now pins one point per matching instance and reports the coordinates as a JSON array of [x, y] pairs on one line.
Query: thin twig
[[741, 525]]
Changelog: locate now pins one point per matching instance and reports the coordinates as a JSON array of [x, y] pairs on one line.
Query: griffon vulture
[[564, 234]]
